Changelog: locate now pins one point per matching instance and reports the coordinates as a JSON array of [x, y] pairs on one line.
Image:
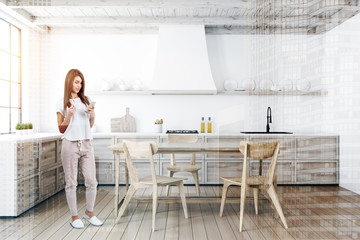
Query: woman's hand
[[71, 110], [91, 111]]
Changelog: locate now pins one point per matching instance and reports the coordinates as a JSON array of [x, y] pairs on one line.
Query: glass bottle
[[202, 129], [209, 126]]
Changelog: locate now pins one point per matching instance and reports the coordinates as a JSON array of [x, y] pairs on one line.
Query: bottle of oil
[[202, 129], [209, 125]]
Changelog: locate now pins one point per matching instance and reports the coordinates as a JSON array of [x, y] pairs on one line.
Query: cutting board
[[123, 124]]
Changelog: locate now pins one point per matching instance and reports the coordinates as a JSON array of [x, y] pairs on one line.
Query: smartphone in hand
[[92, 104]]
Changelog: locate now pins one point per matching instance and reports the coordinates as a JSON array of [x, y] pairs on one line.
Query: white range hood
[[182, 64]]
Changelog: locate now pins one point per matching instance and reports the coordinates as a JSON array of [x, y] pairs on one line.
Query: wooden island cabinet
[[30, 171]]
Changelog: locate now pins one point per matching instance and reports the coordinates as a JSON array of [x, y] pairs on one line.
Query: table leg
[[117, 173]]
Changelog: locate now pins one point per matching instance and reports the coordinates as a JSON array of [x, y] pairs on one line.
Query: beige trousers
[[76, 154]]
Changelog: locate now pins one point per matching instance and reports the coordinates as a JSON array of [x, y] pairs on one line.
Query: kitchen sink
[[267, 132]]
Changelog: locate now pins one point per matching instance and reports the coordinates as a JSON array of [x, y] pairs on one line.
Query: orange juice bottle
[[209, 130]]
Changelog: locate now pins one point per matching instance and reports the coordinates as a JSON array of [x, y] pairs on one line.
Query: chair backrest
[[183, 138], [260, 151], [140, 150]]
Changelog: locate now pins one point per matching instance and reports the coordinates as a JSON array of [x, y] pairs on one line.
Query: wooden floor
[[312, 212]]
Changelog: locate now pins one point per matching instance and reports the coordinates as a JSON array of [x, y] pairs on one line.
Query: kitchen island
[[30, 171]]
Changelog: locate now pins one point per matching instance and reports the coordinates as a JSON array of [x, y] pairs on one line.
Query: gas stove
[[182, 132]]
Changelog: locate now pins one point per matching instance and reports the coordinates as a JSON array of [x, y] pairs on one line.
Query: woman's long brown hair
[[69, 79]]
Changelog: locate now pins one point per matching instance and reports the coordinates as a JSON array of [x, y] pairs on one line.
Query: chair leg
[[256, 197], [242, 204], [183, 199], [196, 178], [170, 174], [274, 198], [223, 197], [127, 199], [154, 207]]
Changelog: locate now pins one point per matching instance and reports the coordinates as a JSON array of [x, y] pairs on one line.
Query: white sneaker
[[93, 220], [78, 224]]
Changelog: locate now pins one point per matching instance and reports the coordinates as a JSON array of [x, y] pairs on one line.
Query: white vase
[[248, 85]]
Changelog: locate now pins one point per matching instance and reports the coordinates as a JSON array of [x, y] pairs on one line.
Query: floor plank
[[312, 212], [223, 225], [60, 227], [25, 223]]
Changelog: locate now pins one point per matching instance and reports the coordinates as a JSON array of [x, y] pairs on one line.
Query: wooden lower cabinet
[[27, 190], [101, 151], [317, 148], [48, 154], [214, 169], [222, 164], [105, 173], [287, 145], [226, 168], [285, 170], [48, 183], [317, 172], [27, 159]]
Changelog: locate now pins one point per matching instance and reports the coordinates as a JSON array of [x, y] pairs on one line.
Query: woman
[[75, 116]]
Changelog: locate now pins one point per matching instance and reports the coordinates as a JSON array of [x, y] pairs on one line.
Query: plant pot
[[21, 132]]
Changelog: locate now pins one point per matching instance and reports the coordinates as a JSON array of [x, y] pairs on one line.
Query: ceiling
[[218, 16]]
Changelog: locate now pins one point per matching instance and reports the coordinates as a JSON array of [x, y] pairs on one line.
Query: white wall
[[131, 58], [341, 73]]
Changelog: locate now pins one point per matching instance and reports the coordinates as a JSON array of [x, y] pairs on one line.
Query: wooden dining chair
[[147, 150], [259, 151], [192, 168]]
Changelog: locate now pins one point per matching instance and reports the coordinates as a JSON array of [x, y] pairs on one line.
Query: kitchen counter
[[134, 134], [34, 136], [45, 136]]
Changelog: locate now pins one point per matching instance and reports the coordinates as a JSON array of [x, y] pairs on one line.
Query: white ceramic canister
[[158, 128]]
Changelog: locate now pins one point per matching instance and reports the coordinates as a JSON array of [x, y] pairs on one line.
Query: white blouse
[[79, 126]]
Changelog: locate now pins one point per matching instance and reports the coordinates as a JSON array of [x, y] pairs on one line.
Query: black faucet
[[268, 118]]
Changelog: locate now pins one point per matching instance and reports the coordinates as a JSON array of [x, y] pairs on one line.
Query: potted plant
[[31, 131], [24, 128], [19, 129]]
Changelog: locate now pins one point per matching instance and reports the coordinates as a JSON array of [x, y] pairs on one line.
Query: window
[[10, 77]]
